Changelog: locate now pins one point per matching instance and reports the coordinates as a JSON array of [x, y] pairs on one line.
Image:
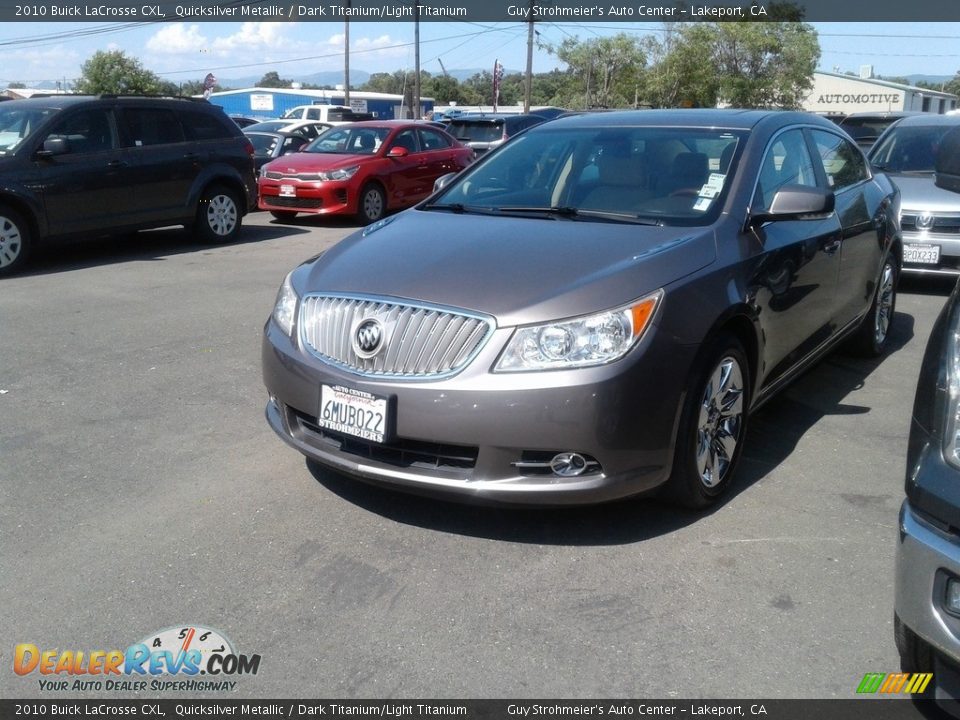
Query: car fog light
[[568, 464], [953, 595]]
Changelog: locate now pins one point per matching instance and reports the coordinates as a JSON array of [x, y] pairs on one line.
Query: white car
[[307, 128]]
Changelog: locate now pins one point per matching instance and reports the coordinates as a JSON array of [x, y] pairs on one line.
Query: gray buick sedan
[[590, 312]]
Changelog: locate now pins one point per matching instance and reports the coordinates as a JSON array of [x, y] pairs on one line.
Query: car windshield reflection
[[661, 175]]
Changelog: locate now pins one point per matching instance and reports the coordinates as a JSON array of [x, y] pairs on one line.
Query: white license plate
[[288, 191], [353, 412], [921, 254]]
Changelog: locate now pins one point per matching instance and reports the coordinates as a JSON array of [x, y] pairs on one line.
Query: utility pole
[[528, 86], [417, 114], [346, 58]]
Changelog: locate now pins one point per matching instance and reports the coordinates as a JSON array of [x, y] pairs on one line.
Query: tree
[[272, 79], [608, 68], [16, 86], [114, 73], [953, 85], [766, 64]]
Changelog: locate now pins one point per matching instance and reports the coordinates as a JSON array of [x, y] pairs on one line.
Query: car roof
[[884, 114], [929, 119], [733, 119], [59, 101]]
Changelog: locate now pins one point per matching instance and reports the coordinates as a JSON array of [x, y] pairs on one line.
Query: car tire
[[915, 654], [372, 204], [713, 425], [870, 339], [15, 241], [218, 215], [283, 215]]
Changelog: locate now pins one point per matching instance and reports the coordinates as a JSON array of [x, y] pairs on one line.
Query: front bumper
[[319, 197], [927, 556], [463, 436]]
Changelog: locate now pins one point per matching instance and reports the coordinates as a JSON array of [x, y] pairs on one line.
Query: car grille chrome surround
[[938, 223], [420, 341], [306, 177]]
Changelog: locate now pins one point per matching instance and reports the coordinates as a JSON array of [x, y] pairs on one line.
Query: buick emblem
[[368, 338], [925, 221]]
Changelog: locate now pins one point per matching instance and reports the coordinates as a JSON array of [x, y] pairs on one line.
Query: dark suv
[[80, 165]]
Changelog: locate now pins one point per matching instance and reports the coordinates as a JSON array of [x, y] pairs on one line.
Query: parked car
[[483, 132], [331, 114], [243, 122], [309, 129], [362, 169], [81, 165], [867, 127], [930, 216], [927, 588], [269, 146], [612, 297]]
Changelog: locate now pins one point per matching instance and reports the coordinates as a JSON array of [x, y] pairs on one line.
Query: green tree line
[[766, 64]]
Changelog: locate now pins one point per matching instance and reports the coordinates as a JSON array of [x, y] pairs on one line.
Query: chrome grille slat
[[421, 341]]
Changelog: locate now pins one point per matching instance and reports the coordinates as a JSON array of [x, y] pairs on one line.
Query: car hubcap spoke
[[9, 242], [885, 297], [720, 422]]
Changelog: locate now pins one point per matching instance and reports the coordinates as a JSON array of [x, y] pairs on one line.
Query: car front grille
[[294, 202], [418, 341], [309, 177], [399, 453], [943, 223]]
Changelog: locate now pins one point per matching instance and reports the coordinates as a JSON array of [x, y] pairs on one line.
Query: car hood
[[918, 192], [312, 162], [520, 270]]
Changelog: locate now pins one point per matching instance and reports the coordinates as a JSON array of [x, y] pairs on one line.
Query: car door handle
[[831, 247], [193, 157], [117, 164]]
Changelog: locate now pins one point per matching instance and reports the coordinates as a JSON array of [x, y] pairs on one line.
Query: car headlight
[[951, 435], [339, 174], [580, 342], [285, 309]]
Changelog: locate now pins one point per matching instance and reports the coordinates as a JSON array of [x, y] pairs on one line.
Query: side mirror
[[441, 182], [797, 202], [398, 152], [54, 146]]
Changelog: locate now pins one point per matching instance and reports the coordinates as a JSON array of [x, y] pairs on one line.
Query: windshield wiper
[[566, 211], [457, 208]]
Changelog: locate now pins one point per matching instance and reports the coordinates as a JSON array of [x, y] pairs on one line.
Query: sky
[[182, 51]]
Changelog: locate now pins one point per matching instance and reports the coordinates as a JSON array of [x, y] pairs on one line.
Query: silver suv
[[930, 216]]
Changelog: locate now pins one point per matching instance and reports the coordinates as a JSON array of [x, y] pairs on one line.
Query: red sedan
[[363, 168]]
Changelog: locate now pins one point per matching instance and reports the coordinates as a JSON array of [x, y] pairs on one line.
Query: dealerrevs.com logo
[[186, 658]]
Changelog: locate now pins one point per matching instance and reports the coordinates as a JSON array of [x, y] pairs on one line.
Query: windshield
[[17, 123], [911, 148], [349, 141], [666, 175], [476, 131], [263, 145]]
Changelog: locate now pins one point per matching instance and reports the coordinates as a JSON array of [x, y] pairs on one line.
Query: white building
[[837, 93]]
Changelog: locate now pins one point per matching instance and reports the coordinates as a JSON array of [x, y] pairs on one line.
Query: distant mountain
[[331, 77], [932, 79]]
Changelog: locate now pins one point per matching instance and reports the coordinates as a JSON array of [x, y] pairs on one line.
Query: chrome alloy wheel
[[222, 215], [720, 424], [11, 242], [885, 300]]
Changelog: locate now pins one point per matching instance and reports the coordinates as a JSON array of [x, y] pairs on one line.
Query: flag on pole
[[208, 82], [497, 78]]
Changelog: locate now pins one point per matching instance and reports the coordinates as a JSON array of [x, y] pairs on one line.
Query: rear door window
[[152, 126]]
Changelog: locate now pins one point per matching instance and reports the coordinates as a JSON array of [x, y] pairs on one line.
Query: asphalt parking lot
[[142, 489]]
